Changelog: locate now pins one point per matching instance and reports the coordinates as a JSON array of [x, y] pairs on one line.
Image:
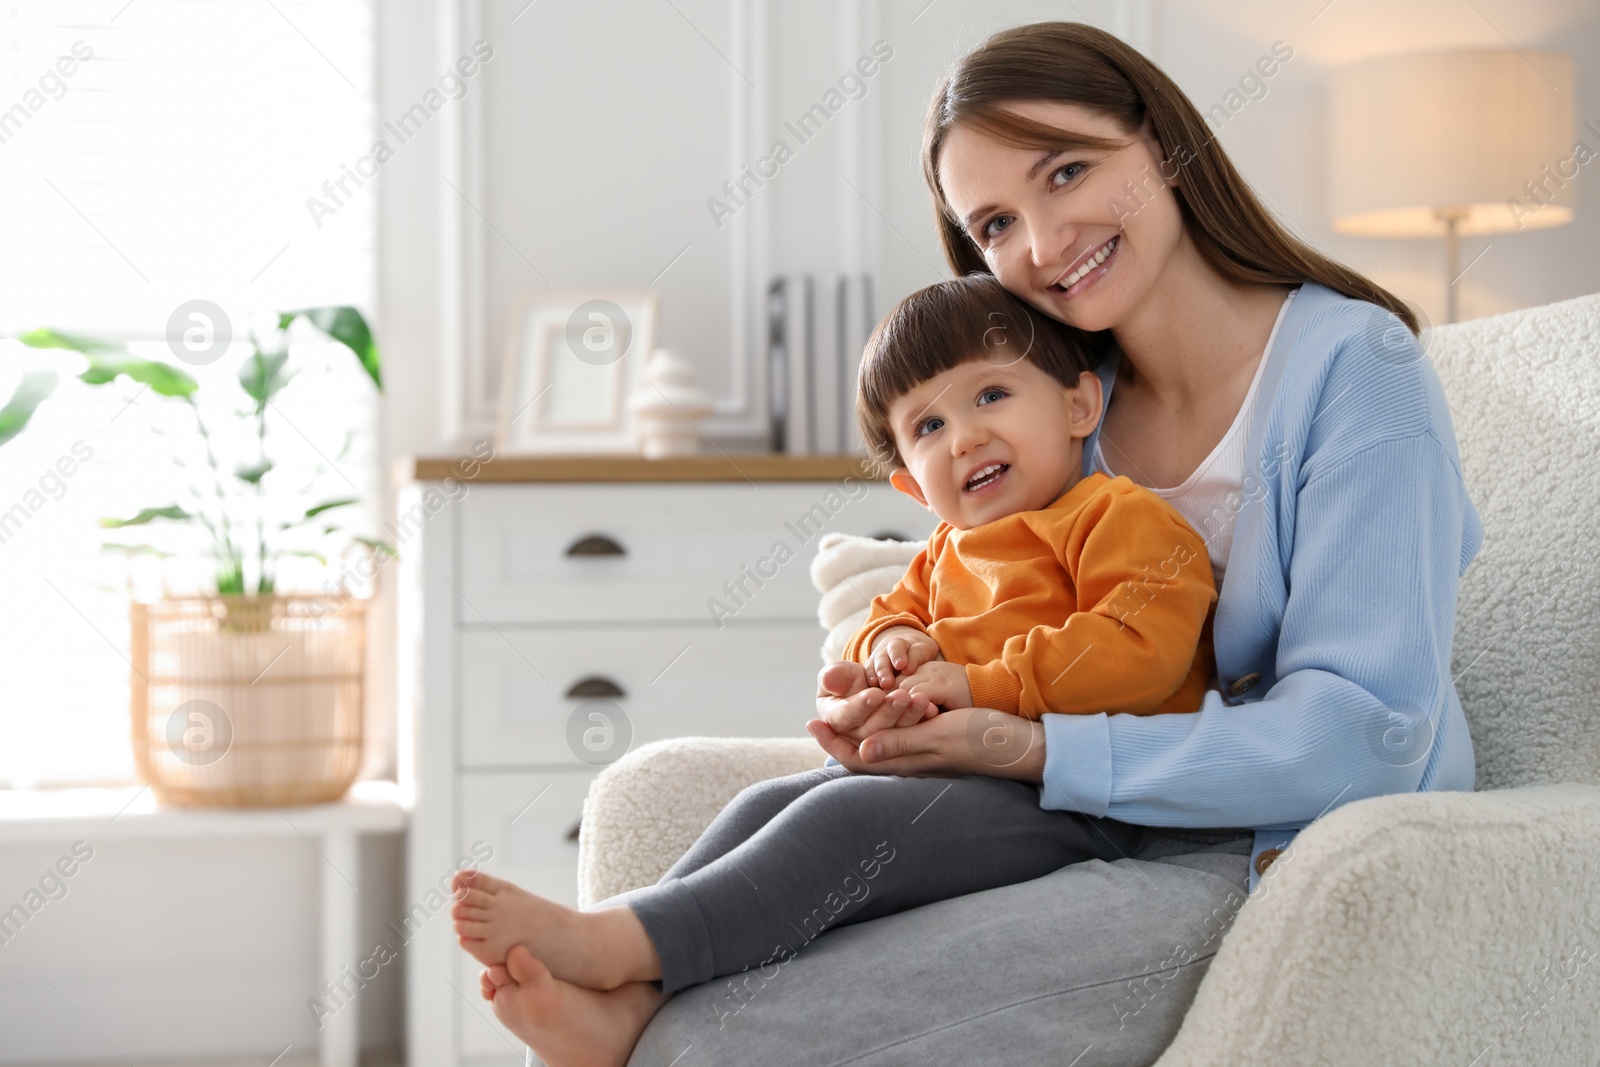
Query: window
[[152, 153]]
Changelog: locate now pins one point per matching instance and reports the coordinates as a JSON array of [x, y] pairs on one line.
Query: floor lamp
[[1448, 144]]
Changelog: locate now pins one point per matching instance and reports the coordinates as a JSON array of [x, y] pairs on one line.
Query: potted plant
[[243, 693]]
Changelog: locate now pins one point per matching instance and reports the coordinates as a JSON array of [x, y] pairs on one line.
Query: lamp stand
[[1451, 217]]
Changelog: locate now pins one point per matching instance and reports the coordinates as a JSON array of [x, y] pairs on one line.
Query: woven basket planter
[[246, 701]]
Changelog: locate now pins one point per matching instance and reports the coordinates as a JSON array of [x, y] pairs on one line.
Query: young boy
[[1041, 590]]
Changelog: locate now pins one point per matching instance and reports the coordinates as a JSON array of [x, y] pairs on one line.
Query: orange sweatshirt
[[1100, 602]]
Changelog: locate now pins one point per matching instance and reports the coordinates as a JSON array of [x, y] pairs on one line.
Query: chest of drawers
[[554, 613]]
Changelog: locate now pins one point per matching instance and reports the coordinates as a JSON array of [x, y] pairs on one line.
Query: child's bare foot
[[594, 949], [856, 709], [568, 1026]]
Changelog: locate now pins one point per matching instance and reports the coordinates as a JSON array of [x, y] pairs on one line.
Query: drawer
[[525, 818], [532, 696], [648, 552]]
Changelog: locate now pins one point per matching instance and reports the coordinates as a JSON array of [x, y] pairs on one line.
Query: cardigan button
[[1243, 685], [1264, 860]]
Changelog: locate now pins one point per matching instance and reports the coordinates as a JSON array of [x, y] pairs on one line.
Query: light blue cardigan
[[1353, 529]]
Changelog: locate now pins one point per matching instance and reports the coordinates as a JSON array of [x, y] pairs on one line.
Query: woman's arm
[[1363, 650], [1363, 669]]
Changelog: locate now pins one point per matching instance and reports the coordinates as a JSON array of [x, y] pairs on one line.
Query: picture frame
[[571, 359]]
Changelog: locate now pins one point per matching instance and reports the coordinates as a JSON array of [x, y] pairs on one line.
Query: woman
[[1281, 403]]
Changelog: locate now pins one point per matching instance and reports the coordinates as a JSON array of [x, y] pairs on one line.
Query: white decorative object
[[667, 407], [572, 358]]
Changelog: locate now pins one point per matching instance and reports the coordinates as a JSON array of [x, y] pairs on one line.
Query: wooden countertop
[[750, 467]]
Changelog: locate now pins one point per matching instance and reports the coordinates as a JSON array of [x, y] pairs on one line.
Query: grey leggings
[[792, 857]]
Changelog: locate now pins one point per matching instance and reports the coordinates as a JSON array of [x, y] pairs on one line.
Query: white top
[[1204, 497]]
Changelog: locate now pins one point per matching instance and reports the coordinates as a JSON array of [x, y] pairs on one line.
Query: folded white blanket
[[849, 571]]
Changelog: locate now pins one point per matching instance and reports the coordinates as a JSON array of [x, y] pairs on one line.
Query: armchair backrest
[[1524, 394]]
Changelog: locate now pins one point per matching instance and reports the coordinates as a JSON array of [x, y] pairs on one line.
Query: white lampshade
[[1417, 139]]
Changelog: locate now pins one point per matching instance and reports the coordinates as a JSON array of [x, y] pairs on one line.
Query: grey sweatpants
[[793, 857], [1094, 964]]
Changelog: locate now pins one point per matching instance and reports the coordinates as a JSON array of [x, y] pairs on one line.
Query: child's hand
[[897, 652], [941, 683], [856, 710]]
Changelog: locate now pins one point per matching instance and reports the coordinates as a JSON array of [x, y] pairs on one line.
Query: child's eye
[[928, 425], [997, 393]]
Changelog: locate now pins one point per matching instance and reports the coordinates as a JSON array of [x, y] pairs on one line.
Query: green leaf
[[262, 376], [31, 392], [230, 578], [148, 515], [345, 325], [318, 556], [161, 377], [254, 472], [382, 548], [44, 337], [312, 513]]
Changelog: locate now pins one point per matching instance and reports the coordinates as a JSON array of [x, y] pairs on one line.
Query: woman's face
[[1083, 235]]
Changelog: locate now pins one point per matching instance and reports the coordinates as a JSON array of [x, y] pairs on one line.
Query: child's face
[[1011, 416]]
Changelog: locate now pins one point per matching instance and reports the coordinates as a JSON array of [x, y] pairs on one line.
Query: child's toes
[[462, 911], [487, 883], [473, 905], [475, 898], [471, 929]]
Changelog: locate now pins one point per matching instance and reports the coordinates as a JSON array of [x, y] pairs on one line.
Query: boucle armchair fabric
[[1524, 391], [646, 809]]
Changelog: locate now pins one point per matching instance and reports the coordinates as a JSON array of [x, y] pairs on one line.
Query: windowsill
[[132, 813]]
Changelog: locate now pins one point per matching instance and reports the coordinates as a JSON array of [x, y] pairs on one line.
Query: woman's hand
[[857, 710], [967, 741]]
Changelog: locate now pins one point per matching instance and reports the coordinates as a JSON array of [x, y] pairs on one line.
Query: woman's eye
[[1075, 168], [995, 226], [1062, 175], [983, 397], [927, 426]]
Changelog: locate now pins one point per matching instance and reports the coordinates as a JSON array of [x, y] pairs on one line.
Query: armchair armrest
[[645, 810], [1424, 928]]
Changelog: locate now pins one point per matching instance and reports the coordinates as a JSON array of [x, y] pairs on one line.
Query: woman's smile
[[1090, 271]]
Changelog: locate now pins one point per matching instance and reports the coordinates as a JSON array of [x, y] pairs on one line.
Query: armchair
[[1434, 928]]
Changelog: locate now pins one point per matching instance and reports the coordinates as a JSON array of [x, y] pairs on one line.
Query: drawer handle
[[595, 545], [891, 535], [594, 686], [572, 832]]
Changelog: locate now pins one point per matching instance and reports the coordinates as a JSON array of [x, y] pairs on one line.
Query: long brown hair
[[1068, 62]]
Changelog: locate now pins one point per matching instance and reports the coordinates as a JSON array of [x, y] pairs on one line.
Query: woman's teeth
[[1089, 264], [987, 475]]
